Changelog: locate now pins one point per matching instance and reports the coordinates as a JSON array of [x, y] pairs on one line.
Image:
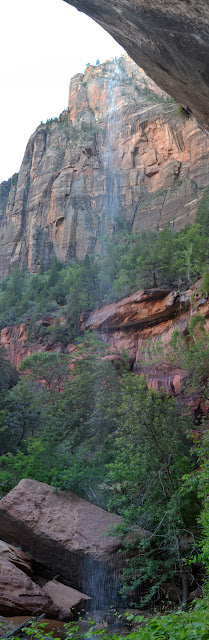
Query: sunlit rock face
[[170, 40], [132, 324], [121, 152], [15, 340], [144, 319]]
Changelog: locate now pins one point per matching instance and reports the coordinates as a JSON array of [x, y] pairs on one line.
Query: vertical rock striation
[[120, 152]]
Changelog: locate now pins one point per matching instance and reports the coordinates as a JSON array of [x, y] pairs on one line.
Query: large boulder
[[19, 594], [65, 534]]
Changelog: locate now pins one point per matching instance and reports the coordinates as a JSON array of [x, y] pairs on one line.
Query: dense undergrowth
[[102, 433], [180, 625]]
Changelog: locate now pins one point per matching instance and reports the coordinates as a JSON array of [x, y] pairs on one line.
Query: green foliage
[[200, 482], [9, 374], [41, 267], [66, 422], [99, 430], [203, 213], [191, 354], [62, 333], [79, 424], [126, 263], [5, 190], [151, 456], [179, 625], [38, 631], [20, 416], [55, 267], [50, 369], [205, 282]]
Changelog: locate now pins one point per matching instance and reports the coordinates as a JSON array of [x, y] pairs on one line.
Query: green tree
[[9, 375], [151, 455], [66, 444], [51, 370], [203, 213], [41, 267], [148, 260], [20, 416], [191, 354], [55, 267]]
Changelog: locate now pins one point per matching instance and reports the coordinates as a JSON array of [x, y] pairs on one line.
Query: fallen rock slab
[[19, 594], [66, 599], [65, 533], [16, 556]]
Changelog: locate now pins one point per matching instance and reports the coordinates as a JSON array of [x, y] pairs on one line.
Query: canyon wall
[[170, 40], [128, 326], [121, 152]]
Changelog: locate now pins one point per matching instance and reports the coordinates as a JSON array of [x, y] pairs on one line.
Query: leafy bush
[[180, 625]]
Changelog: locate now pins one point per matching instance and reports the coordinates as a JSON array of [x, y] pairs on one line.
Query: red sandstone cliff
[[129, 325], [120, 149]]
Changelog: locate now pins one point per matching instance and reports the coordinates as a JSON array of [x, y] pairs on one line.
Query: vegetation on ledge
[[126, 264]]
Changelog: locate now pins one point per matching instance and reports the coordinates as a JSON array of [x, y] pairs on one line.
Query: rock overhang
[[169, 40]]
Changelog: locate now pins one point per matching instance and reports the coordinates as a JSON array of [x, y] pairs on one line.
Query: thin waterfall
[[112, 178]]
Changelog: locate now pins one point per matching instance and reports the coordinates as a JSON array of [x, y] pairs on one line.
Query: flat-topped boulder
[[66, 534], [67, 600], [35, 513]]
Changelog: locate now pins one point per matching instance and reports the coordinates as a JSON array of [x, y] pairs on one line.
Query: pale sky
[[43, 43]]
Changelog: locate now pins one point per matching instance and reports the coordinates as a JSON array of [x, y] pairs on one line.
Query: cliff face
[[170, 40], [130, 325], [145, 318], [120, 151]]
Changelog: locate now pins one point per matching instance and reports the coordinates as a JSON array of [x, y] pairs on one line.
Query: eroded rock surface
[[121, 151], [19, 594], [15, 556], [170, 40], [67, 600], [15, 340], [130, 325], [145, 318], [144, 308]]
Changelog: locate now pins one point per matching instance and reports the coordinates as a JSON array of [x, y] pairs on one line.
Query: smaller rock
[[173, 593], [19, 594], [197, 593], [66, 599], [16, 556]]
